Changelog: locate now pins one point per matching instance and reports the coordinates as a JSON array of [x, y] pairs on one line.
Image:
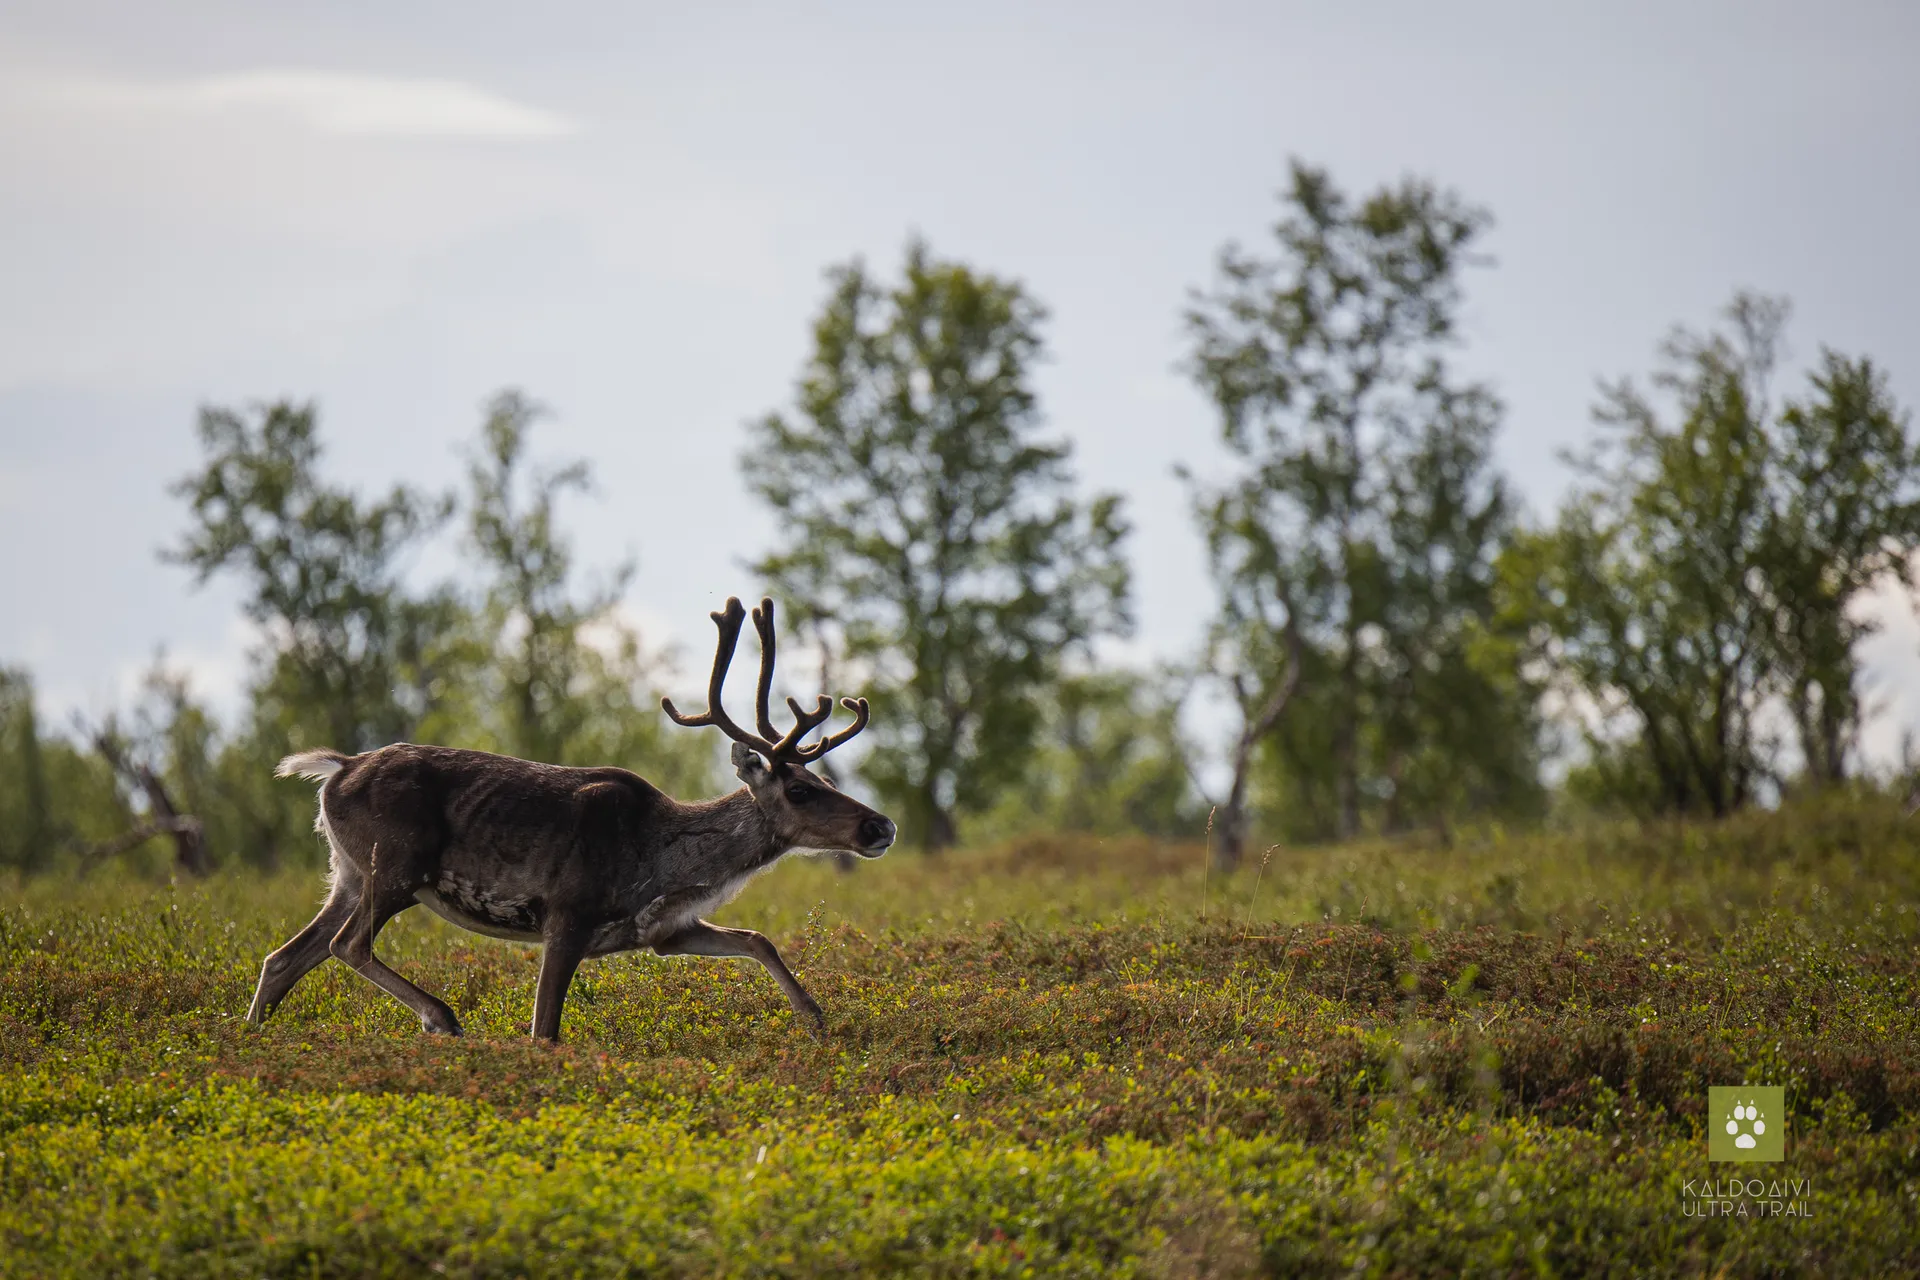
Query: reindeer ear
[[748, 764]]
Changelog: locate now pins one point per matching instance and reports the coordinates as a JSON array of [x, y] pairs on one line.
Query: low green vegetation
[[1051, 1057]]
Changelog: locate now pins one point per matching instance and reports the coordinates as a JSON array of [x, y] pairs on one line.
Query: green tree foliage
[[929, 528], [26, 815], [529, 603], [1366, 516], [1112, 761], [560, 677], [354, 657], [1384, 632], [1712, 561], [1647, 586], [57, 800], [1846, 521], [1455, 728], [349, 655]]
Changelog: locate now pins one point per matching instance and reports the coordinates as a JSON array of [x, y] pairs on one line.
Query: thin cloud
[[339, 104]]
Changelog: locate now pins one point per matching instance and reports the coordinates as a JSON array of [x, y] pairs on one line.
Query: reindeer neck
[[714, 840]]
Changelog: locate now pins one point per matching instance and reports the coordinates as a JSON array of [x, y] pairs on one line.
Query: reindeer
[[588, 861]]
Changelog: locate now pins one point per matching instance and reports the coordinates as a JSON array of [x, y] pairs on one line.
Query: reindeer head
[[805, 810]]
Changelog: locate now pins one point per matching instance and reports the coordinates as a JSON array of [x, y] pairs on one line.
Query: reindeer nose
[[876, 832]]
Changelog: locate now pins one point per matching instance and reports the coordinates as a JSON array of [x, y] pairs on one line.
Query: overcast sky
[[625, 210]]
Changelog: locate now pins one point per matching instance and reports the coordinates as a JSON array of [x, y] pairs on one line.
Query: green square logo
[[1747, 1122]]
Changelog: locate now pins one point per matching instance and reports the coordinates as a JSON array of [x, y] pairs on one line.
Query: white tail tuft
[[315, 766]]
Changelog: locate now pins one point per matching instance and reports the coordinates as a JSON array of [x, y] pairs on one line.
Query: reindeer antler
[[787, 747], [860, 716], [728, 621]]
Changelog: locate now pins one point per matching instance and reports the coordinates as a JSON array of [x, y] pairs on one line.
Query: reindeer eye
[[800, 794]]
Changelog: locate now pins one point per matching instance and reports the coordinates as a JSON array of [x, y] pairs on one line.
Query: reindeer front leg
[[566, 947], [703, 939]]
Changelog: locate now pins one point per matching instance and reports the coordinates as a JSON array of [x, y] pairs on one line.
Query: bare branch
[[186, 826], [189, 835]]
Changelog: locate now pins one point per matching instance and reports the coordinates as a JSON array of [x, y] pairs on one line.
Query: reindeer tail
[[315, 766]]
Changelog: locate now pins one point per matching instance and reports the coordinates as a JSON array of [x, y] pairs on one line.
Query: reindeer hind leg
[[394, 855], [307, 949], [353, 946]]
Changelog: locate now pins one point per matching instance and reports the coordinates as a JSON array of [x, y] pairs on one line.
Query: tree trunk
[[1836, 727], [1230, 830], [1393, 821], [1231, 842], [37, 836], [189, 838], [1346, 785], [942, 829], [1346, 745]]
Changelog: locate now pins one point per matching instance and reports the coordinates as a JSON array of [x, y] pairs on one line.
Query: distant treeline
[[1401, 648]]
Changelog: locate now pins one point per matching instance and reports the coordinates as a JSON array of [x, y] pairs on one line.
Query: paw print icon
[[1747, 1122], [1755, 1123]]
